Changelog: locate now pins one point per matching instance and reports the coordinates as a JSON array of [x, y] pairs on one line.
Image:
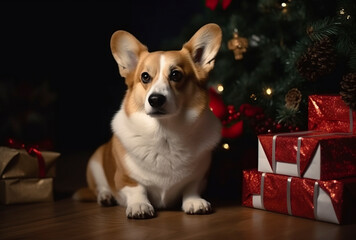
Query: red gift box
[[330, 113], [310, 154], [331, 201]]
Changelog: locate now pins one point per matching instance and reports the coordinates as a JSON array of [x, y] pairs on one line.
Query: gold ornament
[[344, 14], [238, 45], [253, 97], [293, 99]]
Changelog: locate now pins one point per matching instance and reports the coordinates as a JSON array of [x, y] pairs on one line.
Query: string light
[[226, 146], [220, 88], [284, 6], [343, 12], [269, 91]]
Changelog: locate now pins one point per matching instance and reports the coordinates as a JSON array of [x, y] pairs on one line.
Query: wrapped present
[[18, 163], [330, 113], [26, 190], [309, 154], [331, 201]]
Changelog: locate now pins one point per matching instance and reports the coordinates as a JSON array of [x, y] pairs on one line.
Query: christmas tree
[[274, 54]]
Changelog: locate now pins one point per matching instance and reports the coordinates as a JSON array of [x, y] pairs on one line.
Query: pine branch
[[287, 115], [294, 54], [344, 43], [323, 28], [352, 60], [291, 117]]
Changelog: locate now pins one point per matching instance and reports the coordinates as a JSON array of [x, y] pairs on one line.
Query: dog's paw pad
[[196, 206], [140, 211], [106, 199]]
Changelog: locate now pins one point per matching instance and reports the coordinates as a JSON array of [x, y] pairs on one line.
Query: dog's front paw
[[106, 199], [140, 211], [196, 206]]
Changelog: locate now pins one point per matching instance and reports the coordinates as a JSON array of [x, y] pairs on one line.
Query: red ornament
[[225, 4], [216, 104], [233, 131], [231, 109], [250, 110], [213, 3]]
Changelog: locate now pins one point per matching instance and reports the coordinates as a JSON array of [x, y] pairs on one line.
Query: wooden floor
[[67, 219]]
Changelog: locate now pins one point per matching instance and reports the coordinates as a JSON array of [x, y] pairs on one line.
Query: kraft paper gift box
[[331, 201], [26, 190], [310, 154], [18, 163], [329, 113]]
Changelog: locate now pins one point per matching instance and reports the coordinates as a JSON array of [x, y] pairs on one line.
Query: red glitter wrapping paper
[[311, 154], [329, 113], [331, 201]]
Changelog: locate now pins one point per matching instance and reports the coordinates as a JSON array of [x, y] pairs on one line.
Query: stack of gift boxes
[[310, 174], [26, 175]]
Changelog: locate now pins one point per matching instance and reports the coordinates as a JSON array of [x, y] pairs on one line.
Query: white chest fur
[[165, 156]]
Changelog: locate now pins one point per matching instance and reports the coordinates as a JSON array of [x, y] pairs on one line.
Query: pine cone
[[318, 60], [293, 98], [348, 90]]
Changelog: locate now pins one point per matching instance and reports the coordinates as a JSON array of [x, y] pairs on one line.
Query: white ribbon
[[262, 188], [315, 199], [274, 145], [289, 206], [325, 213], [299, 143]]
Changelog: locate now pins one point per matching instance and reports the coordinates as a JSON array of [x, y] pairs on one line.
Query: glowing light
[[226, 146], [268, 91], [220, 88], [342, 11], [348, 17], [283, 4]]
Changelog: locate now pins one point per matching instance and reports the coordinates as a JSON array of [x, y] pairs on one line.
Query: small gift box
[[26, 190], [331, 201], [18, 163], [329, 113], [310, 154]]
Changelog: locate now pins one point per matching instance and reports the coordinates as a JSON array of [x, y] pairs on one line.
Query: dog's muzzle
[[156, 100], [157, 104]]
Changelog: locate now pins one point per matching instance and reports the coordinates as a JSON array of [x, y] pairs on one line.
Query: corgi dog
[[164, 132]]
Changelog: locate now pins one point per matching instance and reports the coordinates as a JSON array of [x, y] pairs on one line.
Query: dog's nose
[[156, 100]]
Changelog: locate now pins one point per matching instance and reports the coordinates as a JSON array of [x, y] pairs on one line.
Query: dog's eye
[[145, 77], [175, 76]]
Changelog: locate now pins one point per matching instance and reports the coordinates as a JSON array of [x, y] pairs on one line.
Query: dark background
[[58, 79]]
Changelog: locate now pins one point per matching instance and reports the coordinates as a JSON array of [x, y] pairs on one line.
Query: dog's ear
[[204, 46], [126, 50]]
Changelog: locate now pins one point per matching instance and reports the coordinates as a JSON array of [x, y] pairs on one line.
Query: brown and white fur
[[164, 132]]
